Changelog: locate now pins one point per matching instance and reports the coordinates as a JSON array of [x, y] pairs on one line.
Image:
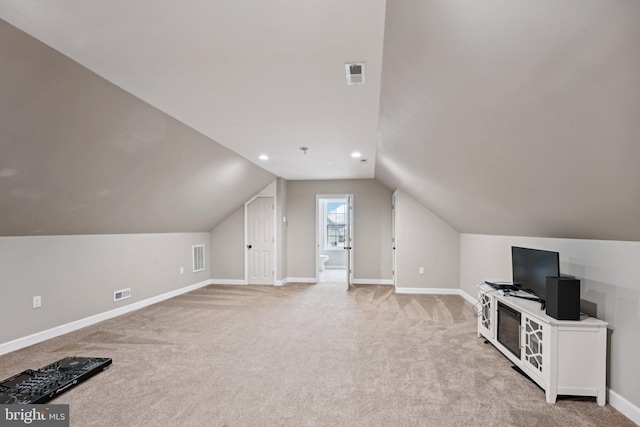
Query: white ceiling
[[259, 77]]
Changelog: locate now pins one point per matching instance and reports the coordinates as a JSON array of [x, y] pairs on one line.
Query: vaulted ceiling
[[515, 117], [259, 77], [502, 117]]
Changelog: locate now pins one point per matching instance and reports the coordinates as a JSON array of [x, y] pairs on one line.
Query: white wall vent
[[198, 258], [121, 294], [355, 73]]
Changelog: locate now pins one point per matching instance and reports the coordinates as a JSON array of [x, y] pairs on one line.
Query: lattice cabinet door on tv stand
[[564, 357]]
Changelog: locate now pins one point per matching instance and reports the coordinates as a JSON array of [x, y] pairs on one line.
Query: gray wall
[[424, 240], [77, 275], [371, 229], [281, 229], [227, 248], [610, 278]]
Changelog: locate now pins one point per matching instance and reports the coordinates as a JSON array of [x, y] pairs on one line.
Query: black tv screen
[[531, 267]]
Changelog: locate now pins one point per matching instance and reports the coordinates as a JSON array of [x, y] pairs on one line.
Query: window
[[335, 224]]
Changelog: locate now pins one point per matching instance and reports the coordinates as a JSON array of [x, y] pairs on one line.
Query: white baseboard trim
[[373, 282], [437, 291], [38, 337], [228, 282], [468, 297], [427, 291], [625, 407], [301, 280], [313, 280], [275, 282]]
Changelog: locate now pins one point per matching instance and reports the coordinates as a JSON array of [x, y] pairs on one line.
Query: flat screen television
[[531, 267]]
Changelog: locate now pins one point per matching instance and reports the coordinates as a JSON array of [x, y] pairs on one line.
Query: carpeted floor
[[302, 355]]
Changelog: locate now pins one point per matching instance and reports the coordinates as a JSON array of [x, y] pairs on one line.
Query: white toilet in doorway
[[323, 259]]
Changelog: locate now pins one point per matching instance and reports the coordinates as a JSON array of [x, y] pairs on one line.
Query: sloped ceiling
[[502, 117], [259, 77], [515, 117], [79, 155]]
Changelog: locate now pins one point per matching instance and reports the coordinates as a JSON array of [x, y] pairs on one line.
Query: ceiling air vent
[[355, 73]]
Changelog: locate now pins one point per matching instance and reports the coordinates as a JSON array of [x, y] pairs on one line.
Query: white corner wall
[[609, 278]]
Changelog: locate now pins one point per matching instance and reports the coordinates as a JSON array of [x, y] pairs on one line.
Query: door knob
[[248, 246]]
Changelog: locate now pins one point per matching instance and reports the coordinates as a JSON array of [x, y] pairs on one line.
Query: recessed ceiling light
[[263, 157], [356, 154]]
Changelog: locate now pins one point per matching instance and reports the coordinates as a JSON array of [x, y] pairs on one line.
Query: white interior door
[[393, 237], [260, 241], [349, 240]]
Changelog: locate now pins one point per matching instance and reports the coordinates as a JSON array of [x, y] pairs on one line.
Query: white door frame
[[394, 198], [319, 220], [349, 240], [246, 237]]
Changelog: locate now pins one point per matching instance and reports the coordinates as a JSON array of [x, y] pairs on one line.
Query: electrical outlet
[[181, 270], [421, 270], [37, 302]]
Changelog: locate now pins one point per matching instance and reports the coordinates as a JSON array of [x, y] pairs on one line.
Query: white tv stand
[[564, 357]]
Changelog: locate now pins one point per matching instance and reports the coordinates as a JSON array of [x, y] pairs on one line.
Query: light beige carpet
[[301, 355]]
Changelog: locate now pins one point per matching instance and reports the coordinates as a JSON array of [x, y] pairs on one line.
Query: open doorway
[[334, 254]]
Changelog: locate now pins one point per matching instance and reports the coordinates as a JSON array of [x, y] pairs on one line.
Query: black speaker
[[563, 298]]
